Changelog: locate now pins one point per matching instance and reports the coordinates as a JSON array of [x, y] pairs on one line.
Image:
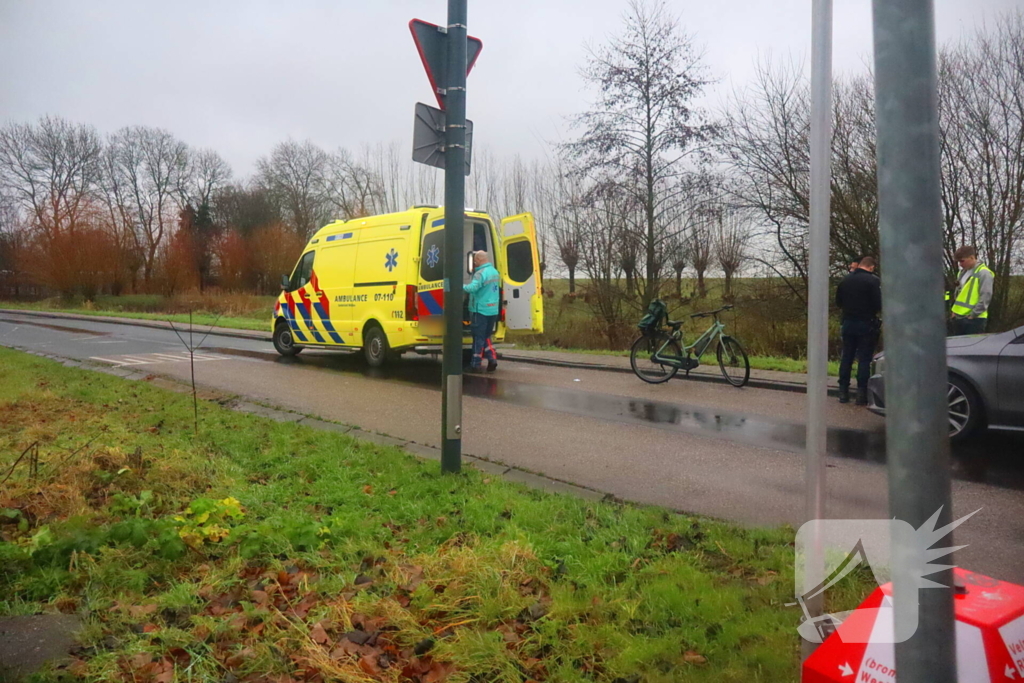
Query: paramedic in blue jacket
[[484, 295]]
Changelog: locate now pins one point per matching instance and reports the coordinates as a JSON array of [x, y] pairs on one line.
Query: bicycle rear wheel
[[733, 361], [641, 357]]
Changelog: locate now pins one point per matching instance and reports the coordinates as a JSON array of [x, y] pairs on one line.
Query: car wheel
[[964, 408], [375, 347], [284, 342]]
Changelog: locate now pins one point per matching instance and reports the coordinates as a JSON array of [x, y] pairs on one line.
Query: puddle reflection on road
[[992, 458]]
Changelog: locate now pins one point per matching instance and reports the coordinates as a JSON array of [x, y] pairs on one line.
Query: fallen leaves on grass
[[144, 668]]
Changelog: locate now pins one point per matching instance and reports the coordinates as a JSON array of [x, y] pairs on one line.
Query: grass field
[[756, 362], [774, 335], [266, 552], [236, 311]]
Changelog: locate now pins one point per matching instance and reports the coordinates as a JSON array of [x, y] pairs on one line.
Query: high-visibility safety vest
[[968, 295]]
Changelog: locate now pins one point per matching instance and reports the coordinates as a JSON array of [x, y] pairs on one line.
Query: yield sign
[[432, 43]]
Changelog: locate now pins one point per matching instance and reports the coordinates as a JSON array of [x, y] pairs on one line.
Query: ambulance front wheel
[[375, 347], [284, 342]]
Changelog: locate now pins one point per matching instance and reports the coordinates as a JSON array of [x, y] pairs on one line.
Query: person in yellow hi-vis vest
[[969, 313]]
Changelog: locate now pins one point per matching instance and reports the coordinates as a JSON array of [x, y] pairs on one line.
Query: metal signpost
[[910, 230], [448, 55], [428, 137], [817, 299]]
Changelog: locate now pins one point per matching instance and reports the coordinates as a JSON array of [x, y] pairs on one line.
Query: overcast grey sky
[[241, 76]]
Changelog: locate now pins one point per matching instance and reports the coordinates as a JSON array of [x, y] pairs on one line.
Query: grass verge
[[756, 362], [273, 553], [198, 319]]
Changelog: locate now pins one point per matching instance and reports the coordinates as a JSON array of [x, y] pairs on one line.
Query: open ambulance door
[[520, 270]]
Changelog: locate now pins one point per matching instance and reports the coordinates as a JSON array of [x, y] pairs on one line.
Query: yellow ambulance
[[377, 283]]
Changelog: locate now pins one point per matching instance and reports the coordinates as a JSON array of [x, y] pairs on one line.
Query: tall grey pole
[[817, 297], [910, 227], [454, 215]]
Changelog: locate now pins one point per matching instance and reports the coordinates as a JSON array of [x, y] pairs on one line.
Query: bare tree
[[679, 257], [119, 203], [403, 183], [981, 115], [603, 209], [644, 125], [627, 250], [701, 246], [353, 188], [296, 176], [246, 208], [50, 170], [152, 169], [731, 246], [14, 237], [566, 195], [542, 177], [766, 144], [854, 194], [208, 174]]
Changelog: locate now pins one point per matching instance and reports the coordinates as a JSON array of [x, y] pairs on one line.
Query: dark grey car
[[986, 382]]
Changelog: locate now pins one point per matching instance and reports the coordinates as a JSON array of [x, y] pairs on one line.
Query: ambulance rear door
[[520, 270]]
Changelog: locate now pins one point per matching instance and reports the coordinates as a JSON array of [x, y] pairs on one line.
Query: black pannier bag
[[657, 312]]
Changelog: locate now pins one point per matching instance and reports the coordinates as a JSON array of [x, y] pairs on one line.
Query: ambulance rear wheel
[[375, 347], [284, 342]]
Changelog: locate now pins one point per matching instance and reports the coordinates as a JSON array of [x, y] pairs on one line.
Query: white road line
[[116, 363], [157, 358], [167, 356], [132, 360]]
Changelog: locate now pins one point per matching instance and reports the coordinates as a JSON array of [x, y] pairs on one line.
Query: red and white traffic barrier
[[989, 637]]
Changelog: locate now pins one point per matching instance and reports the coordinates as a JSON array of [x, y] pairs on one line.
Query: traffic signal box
[[989, 637]]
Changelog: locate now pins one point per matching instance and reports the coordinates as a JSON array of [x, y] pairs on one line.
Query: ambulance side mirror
[[286, 282]]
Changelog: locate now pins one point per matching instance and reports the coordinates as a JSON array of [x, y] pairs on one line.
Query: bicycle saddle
[[675, 324]]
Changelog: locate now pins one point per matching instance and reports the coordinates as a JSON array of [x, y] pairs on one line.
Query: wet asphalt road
[[703, 448]]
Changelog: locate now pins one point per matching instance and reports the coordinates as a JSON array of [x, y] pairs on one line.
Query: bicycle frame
[[694, 350]]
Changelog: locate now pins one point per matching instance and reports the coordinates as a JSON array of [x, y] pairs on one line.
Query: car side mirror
[[286, 282]]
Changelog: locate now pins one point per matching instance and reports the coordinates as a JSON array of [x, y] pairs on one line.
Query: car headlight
[[878, 364]]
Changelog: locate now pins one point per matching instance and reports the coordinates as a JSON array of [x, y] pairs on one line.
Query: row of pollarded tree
[[652, 184]]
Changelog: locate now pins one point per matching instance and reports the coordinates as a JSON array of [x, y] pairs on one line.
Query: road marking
[[157, 358], [167, 356], [134, 360], [115, 363]]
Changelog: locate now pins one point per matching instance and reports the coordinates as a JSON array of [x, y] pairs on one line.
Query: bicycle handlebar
[[705, 314]]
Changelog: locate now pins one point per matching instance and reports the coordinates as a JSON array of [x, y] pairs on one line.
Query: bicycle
[[664, 355]]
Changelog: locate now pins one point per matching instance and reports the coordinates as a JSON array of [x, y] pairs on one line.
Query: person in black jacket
[[859, 296]]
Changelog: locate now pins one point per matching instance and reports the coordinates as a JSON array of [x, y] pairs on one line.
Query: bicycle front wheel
[[641, 357], [733, 361]]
